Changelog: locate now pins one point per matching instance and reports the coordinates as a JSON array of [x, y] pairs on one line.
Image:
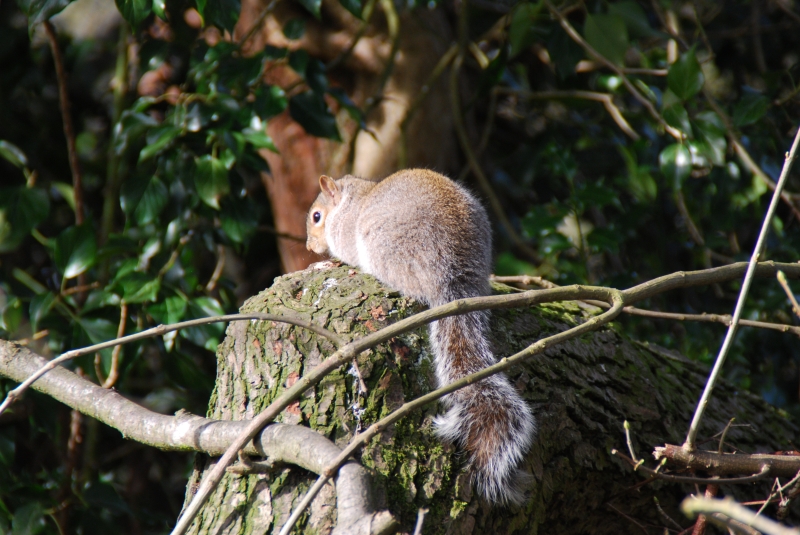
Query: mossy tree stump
[[581, 392]]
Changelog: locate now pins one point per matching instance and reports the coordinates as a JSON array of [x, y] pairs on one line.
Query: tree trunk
[[581, 392]]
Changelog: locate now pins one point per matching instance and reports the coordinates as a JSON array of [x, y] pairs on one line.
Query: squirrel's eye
[[316, 216]]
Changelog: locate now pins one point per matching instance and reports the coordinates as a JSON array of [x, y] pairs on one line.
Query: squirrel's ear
[[329, 187]]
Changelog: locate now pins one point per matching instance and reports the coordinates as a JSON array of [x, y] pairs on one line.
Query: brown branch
[[66, 117], [760, 473], [789, 293], [729, 463]]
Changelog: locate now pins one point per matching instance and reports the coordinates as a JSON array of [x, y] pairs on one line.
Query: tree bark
[[581, 392]]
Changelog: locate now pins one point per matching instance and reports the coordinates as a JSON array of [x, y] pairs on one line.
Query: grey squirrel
[[424, 235]]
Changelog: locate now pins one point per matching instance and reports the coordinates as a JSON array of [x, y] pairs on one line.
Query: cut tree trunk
[[581, 392]]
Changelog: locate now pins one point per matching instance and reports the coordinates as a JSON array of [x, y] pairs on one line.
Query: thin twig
[[604, 98], [220, 265], [258, 24], [639, 467], [692, 506], [789, 293], [113, 373], [66, 117], [757, 251], [160, 330]]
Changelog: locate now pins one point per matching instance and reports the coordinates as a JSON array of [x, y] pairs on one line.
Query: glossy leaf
[[40, 307], [353, 6], [152, 201], [239, 219], [158, 139], [711, 131], [294, 28], [21, 210], [312, 6], [170, 310], [685, 78], [608, 35], [11, 316], [39, 11], [675, 162], [259, 140], [211, 180], [28, 519], [13, 154], [314, 116], [75, 250], [677, 117], [224, 14], [135, 11], [139, 287], [750, 109]]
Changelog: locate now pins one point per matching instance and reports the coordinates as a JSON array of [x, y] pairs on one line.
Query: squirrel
[[422, 234]]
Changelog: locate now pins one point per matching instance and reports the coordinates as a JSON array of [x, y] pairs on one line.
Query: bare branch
[[729, 463]]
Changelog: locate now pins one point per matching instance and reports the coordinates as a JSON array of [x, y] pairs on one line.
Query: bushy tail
[[489, 419]]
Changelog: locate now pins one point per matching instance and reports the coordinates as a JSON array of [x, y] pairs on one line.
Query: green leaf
[[676, 164], [160, 9], [353, 6], [608, 35], [171, 310], [564, 52], [312, 6], [314, 116], [28, 519], [259, 140], [206, 336], [98, 329], [39, 11], [66, 191], [13, 154], [158, 139], [710, 130], [685, 77], [677, 117], [40, 307], [135, 11], [239, 219], [634, 16], [750, 109], [131, 126], [521, 32], [224, 14], [11, 317], [153, 200], [21, 210], [211, 180], [75, 250], [139, 287], [294, 29]]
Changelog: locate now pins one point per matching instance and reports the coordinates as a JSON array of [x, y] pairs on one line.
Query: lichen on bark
[[581, 391]]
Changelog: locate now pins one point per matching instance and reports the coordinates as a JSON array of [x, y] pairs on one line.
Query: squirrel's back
[[428, 237]]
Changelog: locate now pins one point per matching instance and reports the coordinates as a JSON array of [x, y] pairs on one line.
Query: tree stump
[[581, 391]]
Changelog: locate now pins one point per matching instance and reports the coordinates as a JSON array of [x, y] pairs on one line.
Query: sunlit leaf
[[608, 35], [685, 78], [28, 519], [677, 117], [13, 154], [75, 250], [675, 162], [11, 316]]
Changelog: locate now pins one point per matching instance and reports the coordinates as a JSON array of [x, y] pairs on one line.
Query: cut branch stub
[[581, 391]]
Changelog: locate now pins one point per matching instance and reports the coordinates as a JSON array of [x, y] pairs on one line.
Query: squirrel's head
[[328, 198]]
